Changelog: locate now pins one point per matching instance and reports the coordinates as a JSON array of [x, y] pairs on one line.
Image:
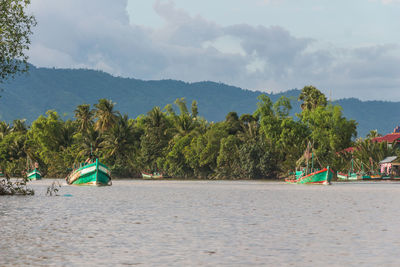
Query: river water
[[203, 223]]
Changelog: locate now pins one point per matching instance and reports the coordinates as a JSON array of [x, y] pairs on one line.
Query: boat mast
[[352, 166], [312, 160], [307, 156]]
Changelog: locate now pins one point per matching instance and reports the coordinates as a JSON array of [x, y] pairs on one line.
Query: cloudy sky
[[345, 48]]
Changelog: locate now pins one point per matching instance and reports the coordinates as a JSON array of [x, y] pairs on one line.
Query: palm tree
[[312, 98], [105, 114], [249, 126], [185, 122], [155, 138], [19, 126], [65, 137], [84, 117], [90, 144], [373, 134], [119, 138], [4, 129], [369, 153]]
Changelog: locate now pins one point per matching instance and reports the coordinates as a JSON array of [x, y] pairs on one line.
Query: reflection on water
[[234, 223]]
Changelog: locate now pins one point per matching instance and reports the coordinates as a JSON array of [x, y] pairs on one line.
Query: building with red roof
[[390, 138]]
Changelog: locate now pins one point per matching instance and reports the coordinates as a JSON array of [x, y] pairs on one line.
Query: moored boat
[[323, 176], [33, 172], [154, 175], [34, 175], [346, 176], [373, 176], [311, 175], [91, 172], [349, 176]]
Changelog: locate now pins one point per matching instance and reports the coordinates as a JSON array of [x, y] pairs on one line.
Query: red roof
[[390, 138], [347, 150]]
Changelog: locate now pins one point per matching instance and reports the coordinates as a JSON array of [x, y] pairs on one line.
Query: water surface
[[210, 223]]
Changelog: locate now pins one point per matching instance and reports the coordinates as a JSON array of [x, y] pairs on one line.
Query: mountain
[[32, 94]]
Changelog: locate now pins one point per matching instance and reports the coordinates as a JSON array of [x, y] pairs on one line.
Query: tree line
[[180, 143], [265, 144]]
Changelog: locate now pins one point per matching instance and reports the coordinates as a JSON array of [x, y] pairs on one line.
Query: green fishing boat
[[323, 177], [33, 172], [154, 175], [349, 176], [34, 175], [310, 175], [91, 172], [363, 175]]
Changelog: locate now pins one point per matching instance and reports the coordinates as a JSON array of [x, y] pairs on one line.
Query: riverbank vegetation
[[15, 32], [180, 143]]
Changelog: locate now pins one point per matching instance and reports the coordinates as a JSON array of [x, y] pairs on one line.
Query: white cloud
[[386, 2], [97, 34], [269, 2]]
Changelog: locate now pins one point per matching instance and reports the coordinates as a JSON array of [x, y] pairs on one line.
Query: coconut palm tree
[[19, 126], [105, 114], [373, 134], [84, 117], [369, 153], [4, 129], [90, 144], [119, 138], [185, 122], [155, 118], [312, 98], [155, 138], [250, 127], [65, 137]]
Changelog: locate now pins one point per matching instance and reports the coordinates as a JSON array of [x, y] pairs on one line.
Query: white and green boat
[[310, 175], [323, 177], [350, 175], [34, 175], [91, 172], [154, 175]]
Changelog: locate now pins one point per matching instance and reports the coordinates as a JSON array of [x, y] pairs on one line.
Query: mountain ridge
[[31, 95]]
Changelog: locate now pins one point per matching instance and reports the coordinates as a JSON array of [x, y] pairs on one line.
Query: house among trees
[[392, 138], [390, 166]]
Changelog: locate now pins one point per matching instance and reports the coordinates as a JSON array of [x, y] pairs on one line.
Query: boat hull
[[34, 175], [323, 177], [347, 177], [92, 174], [151, 176]]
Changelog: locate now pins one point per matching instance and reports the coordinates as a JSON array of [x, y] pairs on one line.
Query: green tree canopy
[[15, 30], [312, 98]]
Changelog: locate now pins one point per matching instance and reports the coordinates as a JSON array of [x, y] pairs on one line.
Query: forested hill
[[31, 95]]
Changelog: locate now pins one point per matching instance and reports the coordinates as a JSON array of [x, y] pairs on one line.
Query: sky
[[346, 48]]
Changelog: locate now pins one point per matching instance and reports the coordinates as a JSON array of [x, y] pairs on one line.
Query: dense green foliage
[[366, 154], [178, 142], [15, 30]]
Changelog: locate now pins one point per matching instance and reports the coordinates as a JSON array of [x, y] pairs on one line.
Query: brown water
[[211, 223]]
